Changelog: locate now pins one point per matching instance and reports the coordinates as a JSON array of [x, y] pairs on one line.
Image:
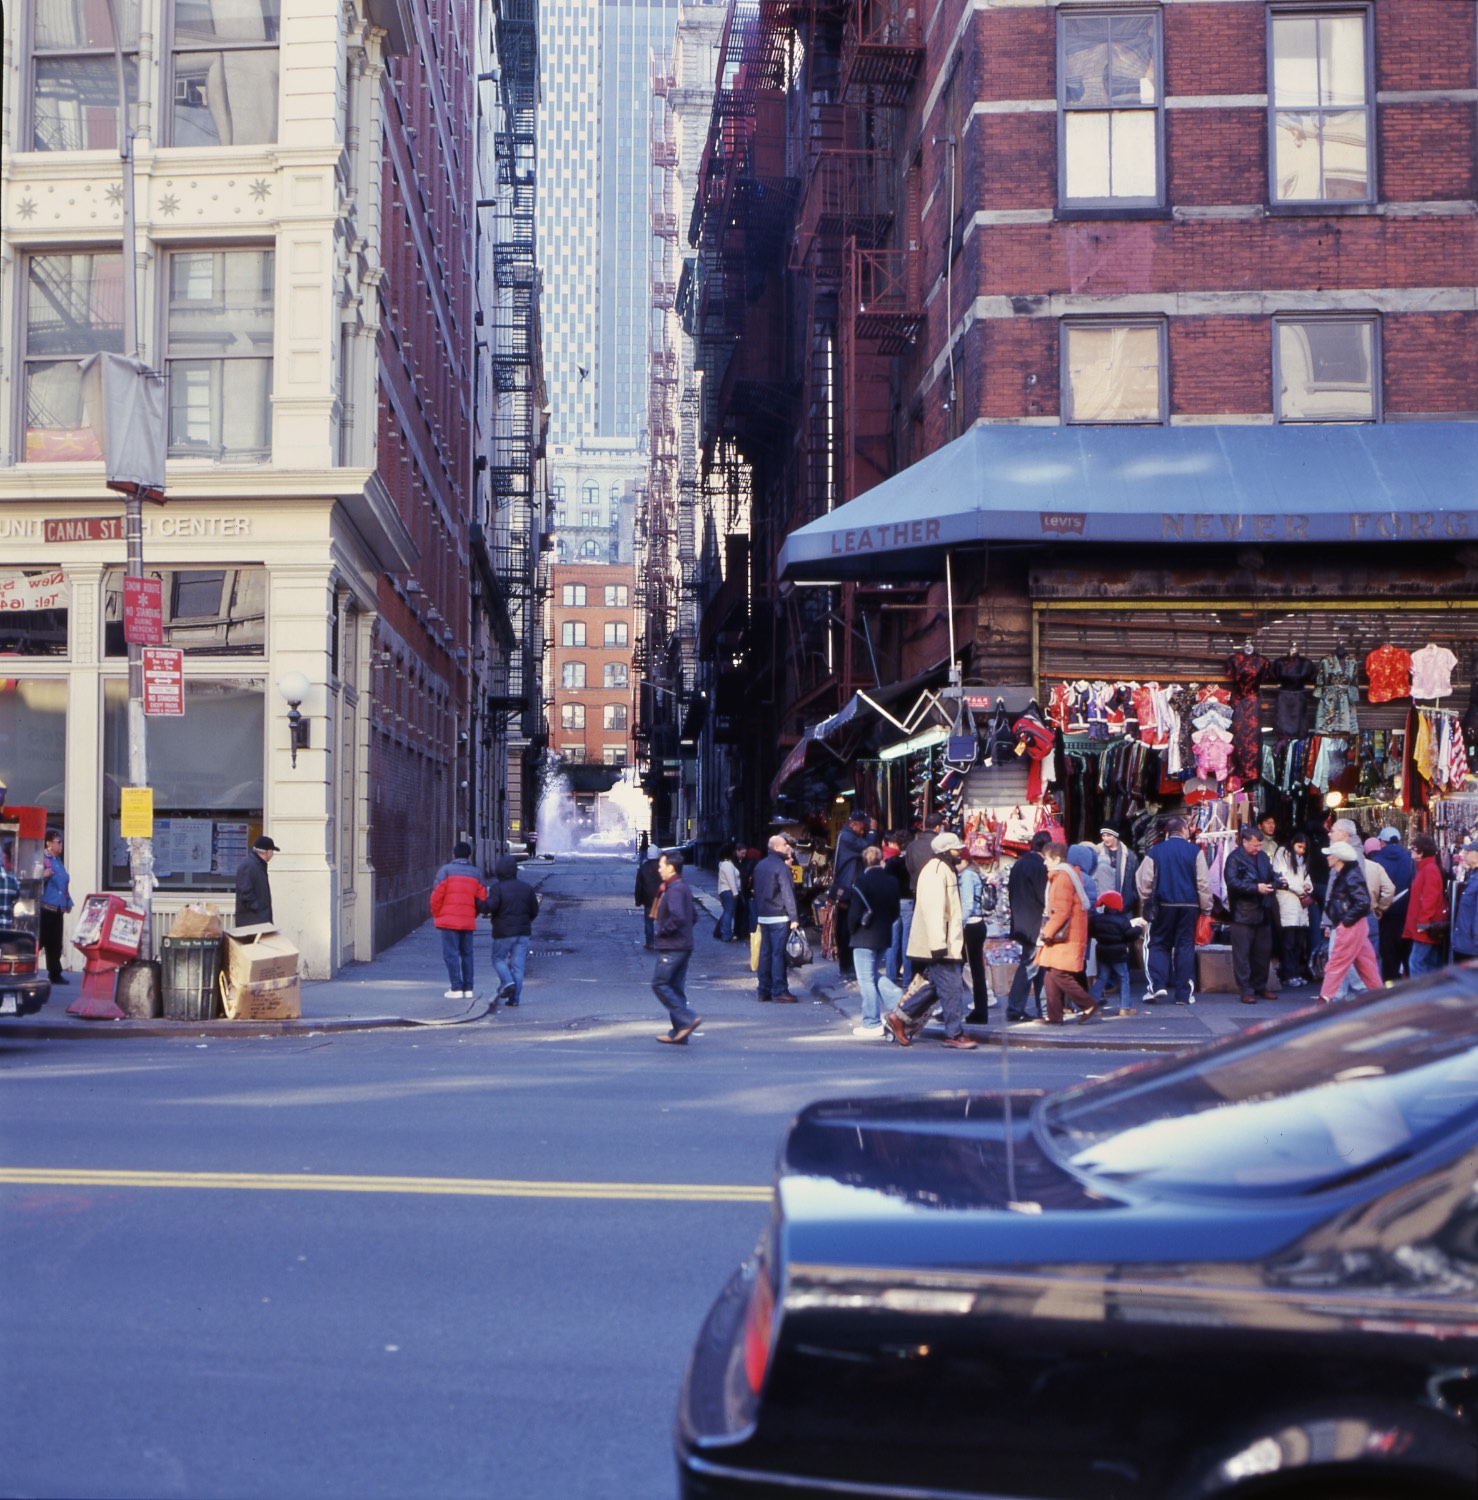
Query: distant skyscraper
[[594, 216]]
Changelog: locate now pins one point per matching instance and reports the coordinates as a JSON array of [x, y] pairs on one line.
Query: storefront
[[251, 591], [1219, 621]]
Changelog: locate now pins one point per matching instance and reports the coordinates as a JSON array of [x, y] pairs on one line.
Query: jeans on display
[[510, 955], [945, 985], [669, 985], [770, 977], [897, 963], [726, 917], [1111, 970], [1426, 958], [456, 951], [878, 991]]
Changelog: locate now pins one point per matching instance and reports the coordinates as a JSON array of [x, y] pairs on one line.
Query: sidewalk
[[403, 988]]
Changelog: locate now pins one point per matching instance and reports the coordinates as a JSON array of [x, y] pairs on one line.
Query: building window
[[1324, 369], [74, 79], [614, 755], [1320, 107], [1112, 372], [616, 596], [572, 595], [572, 716], [219, 354], [74, 307], [225, 72], [33, 742], [615, 716], [207, 772], [207, 612], [615, 675], [1110, 120], [615, 633], [572, 674], [572, 633], [589, 549], [590, 494]]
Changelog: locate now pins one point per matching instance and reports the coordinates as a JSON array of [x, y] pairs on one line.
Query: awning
[[1320, 483]]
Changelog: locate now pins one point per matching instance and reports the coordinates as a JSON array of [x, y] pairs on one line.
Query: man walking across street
[[1250, 894], [513, 906], [1175, 887], [456, 899], [674, 939], [648, 883], [253, 890], [936, 940], [774, 902]]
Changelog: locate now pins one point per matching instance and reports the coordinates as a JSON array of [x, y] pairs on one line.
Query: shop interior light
[[1334, 799], [936, 736], [294, 688]]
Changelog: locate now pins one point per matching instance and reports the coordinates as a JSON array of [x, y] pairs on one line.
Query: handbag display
[[1016, 837], [963, 747]]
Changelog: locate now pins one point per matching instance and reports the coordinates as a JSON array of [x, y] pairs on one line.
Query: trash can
[[191, 979]]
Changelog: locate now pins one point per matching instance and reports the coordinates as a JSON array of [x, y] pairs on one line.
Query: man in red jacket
[[454, 902]]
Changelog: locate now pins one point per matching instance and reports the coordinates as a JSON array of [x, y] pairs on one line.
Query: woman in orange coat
[[1063, 947]]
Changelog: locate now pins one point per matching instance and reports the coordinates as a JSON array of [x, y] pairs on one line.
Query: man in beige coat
[[936, 938]]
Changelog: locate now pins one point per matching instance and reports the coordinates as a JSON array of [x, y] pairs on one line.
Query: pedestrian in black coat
[[253, 889], [1026, 886], [1250, 887]]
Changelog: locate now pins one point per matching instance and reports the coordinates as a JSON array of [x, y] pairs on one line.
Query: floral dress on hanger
[[1337, 687], [1247, 671]]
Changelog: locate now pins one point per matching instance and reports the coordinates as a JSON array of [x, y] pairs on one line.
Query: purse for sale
[[1016, 837], [963, 747]]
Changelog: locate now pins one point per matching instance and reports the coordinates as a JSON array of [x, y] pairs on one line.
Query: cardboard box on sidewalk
[[259, 975]]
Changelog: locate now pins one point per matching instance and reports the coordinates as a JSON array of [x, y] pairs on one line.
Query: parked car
[[1251, 1270], [24, 987]]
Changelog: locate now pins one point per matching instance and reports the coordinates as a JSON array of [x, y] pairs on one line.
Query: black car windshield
[[1294, 1110]]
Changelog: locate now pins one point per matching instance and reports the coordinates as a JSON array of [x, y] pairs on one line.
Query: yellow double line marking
[[442, 1187]]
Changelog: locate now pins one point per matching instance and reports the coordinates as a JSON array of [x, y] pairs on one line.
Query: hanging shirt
[[1337, 687], [1431, 672], [1389, 671]]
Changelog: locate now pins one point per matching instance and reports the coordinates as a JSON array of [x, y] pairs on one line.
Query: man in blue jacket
[[1175, 887], [1399, 865], [859, 834], [676, 915]]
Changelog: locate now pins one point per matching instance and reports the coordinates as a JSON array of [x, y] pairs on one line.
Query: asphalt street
[[418, 1262]]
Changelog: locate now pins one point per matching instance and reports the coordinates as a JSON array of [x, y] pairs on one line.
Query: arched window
[[589, 549]]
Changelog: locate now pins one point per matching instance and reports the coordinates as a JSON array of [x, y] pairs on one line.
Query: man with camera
[[1251, 887]]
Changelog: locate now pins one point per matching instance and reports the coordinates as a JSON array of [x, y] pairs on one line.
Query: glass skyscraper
[[595, 227]]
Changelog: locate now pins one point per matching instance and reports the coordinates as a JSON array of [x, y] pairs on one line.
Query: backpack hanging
[[964, 744], [1000, 742]]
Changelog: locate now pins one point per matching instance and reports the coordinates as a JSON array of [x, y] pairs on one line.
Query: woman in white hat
[[1346, 910]]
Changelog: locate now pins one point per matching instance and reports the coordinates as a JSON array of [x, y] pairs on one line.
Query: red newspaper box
[[109, 932]]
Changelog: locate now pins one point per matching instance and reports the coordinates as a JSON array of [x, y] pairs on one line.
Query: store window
[[615, 675], [616, 596], [220, 354], [1324, 369], [615, 716], [572, 674], [74, 307], [33, 744], [572, 595], [616, 633], [33, 612], [206, 771], [74, 74], [225, 72], [1110, 116], [207, 611], [1320, 106], [572, 716], [572, 633], [1113, 372]]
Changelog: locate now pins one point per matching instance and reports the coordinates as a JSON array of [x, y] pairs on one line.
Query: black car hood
[[929, 1181]]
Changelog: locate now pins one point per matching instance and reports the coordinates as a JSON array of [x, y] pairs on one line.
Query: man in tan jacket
[[936, 938]]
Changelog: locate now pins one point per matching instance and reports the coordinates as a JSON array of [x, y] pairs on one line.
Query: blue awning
[[1319, 483]]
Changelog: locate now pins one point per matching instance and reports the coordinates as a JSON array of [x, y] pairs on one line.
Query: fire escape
[[805, 189], [515, 347], [659, 659]]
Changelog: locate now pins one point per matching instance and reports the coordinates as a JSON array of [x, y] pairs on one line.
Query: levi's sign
[[86, 529]]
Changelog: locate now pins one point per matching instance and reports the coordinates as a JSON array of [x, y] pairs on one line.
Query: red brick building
[[592, 623], [1149, 217]]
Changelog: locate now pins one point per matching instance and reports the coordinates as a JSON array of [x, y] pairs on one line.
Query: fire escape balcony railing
[[882, 52], [849, 195]]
